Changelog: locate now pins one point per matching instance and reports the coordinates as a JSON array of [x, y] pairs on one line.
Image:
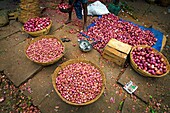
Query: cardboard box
[[116, 51]]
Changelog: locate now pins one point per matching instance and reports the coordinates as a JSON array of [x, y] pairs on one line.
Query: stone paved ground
[[35, 80]]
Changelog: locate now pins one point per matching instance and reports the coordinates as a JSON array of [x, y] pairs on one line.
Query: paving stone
[[131, 106], [156, 87], [10, 29], [41, 84], [12, 41], [16, 66]]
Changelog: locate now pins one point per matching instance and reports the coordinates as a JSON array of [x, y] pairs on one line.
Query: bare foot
[[68, 21]]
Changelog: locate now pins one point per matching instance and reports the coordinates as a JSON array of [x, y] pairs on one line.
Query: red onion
[[109, 26], [79, 82], [63, 6], [149, 61], [36, 24], [45, 50]]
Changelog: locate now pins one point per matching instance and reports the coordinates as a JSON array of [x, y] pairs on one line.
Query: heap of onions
[[149, 61], [36, 24], [79, 82], [63, 6], [110, 26], [45, 50]]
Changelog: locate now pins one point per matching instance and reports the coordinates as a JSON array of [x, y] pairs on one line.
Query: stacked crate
[[116, 51], [29, 9]]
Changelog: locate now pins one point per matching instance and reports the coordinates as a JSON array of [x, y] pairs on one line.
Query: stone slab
[[11, 28], [41, 84], [156, 87], [131, 106], [16, 66], [12, 41]]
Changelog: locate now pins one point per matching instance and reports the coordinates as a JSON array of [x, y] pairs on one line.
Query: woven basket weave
[[144, 73], [46, 63], [55, 74], [44, 31]]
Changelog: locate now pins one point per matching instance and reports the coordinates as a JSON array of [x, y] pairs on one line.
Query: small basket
[[46, 63], [55, 74], [65, 10], [144, 73], [44, 31]]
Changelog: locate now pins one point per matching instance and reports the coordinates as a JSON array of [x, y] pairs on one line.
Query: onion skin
[[151, 62], [45, 50], [79, 82]]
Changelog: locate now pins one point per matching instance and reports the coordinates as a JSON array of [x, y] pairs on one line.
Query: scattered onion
[[110, 26]]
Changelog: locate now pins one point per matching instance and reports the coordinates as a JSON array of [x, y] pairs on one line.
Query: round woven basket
[[44, 31], [39, 38], [144, 73], [55, 74]]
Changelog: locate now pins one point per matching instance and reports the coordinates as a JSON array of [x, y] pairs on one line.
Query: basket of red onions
[[45, 50], [78, 82], [149, 62], [37, 26], [64, 7]]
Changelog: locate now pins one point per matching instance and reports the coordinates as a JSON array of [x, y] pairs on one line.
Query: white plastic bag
[[97, 8]]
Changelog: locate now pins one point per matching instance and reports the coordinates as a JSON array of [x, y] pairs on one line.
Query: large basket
[[44, 31], [144, 73], [46, 63], [55, 74]]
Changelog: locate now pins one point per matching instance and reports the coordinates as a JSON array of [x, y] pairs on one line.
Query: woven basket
[[39, 38], [144, 73], [41, 32], [55, 74]]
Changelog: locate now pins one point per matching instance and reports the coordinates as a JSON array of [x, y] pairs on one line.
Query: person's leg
[[70, 13], [85, 15]]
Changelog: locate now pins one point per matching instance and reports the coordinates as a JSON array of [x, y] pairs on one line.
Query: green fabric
[[114, 9]]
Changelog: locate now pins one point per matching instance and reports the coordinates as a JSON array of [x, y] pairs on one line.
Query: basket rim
[[39, 38], [29, 32], [55, 74], [144, 73], [65, 10]]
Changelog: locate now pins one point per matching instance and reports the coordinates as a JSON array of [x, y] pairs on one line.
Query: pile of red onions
[[36, 24], [147, 60], [45, 50], [63, 6], [79, 82], [110, 26]]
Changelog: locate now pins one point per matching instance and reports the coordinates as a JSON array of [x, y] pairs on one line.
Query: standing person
[[78, 4]]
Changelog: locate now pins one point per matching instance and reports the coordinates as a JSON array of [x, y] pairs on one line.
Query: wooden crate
[[116, 51]]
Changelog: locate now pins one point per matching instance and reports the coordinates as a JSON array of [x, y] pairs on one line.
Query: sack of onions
[[147, 61], [64, 7], [37, 26], [78, 82], [45, 50]]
